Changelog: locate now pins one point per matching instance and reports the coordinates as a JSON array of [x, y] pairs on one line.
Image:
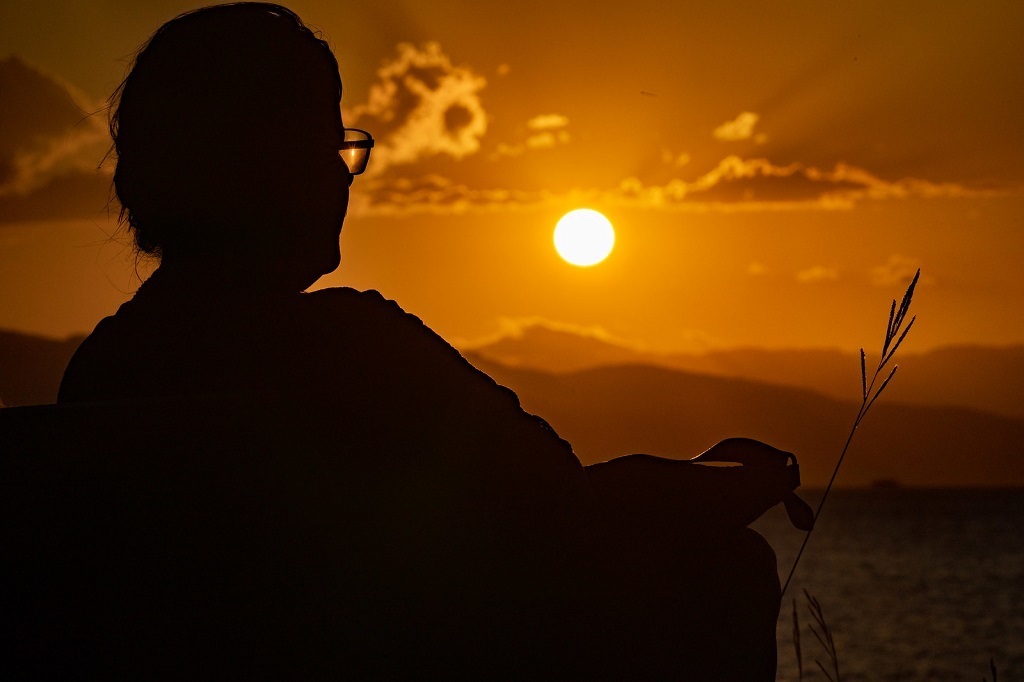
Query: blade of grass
[[824, 672], [905, 304], [796, 644], [884, 384], [902, 336], [889, 328], [825, 638], [896, 318], [863, 375]]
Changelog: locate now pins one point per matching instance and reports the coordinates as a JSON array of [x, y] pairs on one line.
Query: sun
[[584, 237]]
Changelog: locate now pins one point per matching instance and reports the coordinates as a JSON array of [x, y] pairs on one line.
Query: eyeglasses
[[355, 150]]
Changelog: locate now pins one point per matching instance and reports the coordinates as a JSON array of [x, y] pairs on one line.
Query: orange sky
[[774, 172]]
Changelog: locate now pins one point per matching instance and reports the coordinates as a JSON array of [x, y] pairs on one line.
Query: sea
[[912, 584]]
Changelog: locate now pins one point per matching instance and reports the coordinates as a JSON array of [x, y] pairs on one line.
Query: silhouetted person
[[227, 132]]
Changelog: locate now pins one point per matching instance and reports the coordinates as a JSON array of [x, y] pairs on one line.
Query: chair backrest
[[246, 534]]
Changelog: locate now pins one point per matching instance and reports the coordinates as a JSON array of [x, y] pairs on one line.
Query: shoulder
[[361, 314], [368, 319], [377, 333], [345, 300], [81, 379]]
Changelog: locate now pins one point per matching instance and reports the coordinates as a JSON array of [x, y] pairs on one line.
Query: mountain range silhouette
[[609, 411], [986, 378]]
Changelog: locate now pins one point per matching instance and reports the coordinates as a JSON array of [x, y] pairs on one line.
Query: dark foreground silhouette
[[244, 479], [252, 536]]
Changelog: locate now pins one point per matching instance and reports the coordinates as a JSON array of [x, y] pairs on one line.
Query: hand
[[755, 454], [748, 452]]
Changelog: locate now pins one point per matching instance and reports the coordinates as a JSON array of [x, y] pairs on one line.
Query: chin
[[331, 264], [328, 264]]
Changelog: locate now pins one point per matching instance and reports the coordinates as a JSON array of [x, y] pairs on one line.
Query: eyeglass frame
[[366, 144]]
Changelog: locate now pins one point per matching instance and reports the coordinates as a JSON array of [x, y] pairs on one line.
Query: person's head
[[226, 132]]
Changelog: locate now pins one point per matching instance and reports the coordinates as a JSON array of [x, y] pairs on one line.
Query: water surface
[[915, 584]]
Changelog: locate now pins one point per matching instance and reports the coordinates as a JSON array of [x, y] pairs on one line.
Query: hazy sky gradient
[[775, 171]]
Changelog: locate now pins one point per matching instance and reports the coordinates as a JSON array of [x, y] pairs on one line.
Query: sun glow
[[584, 237]]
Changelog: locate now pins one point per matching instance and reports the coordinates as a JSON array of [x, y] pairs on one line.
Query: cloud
[[757, 269], [679, 160], [68, 196], [741, 128], [737, 184], [547, 122], [547, 139], [504, 149], [45, 128], [32, 167], [50, 147], [548, 131], [817, 273], [520, 327], [434, 193], [422, 105], [897, 270]]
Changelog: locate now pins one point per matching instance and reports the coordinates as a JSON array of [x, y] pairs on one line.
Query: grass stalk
[[895, 331], [823, 633], [796, 644]]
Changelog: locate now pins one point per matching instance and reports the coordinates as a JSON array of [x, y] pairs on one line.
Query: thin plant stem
[[821, 503], [823, 633], [796, 644], [868, 398]]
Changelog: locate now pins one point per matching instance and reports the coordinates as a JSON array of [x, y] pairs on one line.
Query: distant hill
[[31, 367], [990, 379], [611, 411]]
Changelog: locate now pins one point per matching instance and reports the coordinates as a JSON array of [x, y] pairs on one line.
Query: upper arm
[[402, 367]]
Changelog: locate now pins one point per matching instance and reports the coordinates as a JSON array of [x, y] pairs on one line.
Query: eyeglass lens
[[356, 150]]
